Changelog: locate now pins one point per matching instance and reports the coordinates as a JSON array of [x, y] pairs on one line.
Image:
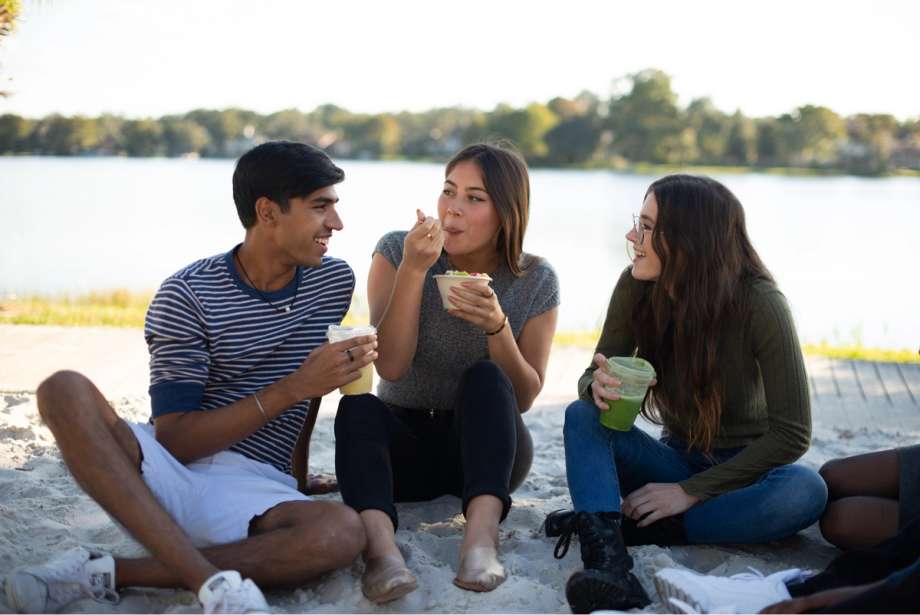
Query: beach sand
[[44, 512]]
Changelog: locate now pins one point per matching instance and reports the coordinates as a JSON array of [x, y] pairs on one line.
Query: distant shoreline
[[639, 126], [624, 169]]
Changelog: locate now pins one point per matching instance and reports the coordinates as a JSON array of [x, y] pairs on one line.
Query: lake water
[[844, 250]]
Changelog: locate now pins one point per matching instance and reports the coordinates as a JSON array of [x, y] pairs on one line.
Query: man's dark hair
[[280, 170]]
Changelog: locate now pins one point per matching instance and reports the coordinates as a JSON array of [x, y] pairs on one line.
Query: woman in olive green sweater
[[731, 395]]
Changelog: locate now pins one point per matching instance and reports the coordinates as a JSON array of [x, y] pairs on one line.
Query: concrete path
[[853, 394], [844, 394]]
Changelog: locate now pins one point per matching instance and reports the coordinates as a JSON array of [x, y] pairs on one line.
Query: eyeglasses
[[640, 231]]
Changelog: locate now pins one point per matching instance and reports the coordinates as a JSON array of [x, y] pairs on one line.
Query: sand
[[44, 512]]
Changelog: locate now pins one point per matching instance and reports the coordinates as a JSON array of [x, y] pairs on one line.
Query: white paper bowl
[[446, 282]]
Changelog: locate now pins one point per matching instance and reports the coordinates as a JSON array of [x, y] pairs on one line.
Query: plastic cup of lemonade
[[365, 383], [635, 375], [451, 278]]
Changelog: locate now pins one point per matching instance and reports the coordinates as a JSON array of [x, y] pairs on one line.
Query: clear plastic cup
[[365, 383], [446, 281], [635, 375]]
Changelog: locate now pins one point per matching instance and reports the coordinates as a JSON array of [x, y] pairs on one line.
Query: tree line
[[640, 123]]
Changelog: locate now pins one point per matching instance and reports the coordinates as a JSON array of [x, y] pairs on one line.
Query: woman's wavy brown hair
[[706, 259], [505, 176]]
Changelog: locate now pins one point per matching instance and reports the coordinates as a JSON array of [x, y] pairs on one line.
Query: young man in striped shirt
[[236, 351]]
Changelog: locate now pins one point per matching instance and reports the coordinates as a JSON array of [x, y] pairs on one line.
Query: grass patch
[[124, 308], [859, 352], [856, 352], [583, 339], [115, 308]]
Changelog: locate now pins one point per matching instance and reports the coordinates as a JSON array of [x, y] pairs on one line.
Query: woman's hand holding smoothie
[[423, 243], [602, 380]]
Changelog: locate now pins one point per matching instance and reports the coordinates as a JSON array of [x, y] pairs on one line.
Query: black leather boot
[[558, 522], [664, 532], [606, 582]]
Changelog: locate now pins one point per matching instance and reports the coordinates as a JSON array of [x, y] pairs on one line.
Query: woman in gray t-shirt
[[454, 382]]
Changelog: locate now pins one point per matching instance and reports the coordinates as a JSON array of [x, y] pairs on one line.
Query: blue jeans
[[602, 465]]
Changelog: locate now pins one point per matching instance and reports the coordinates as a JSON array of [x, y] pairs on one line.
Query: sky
[[146, 59]]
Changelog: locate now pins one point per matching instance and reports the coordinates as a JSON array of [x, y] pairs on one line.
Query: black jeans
[[897, 560], [387, 454]]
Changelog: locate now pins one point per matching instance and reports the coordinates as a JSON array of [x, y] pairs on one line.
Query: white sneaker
[[685, 591], [74, 574], [227, 592]]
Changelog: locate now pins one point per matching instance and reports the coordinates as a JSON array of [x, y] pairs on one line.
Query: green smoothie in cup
[[635, 375]]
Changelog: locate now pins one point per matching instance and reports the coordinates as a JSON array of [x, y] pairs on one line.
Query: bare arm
[[524, 360], [395, 297], [193, 435]]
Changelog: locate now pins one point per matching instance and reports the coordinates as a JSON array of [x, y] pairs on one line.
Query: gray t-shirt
[[448, 345]]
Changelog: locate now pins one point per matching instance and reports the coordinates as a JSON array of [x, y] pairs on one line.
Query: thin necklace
[[281, 310]]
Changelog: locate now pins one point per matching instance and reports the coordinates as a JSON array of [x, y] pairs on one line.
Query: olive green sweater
[[765, 404]]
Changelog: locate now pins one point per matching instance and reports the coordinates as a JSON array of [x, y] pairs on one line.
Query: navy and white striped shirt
[[213, 341]]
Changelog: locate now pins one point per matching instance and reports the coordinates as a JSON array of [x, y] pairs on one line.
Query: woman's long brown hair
[[505, 176], [706, 257]]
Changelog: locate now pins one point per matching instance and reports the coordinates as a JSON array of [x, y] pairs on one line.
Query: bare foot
[[318, 484], [480, 570], [386, 578]]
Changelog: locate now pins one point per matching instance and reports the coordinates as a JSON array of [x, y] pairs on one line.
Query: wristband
[[499, 330], [261, 409]]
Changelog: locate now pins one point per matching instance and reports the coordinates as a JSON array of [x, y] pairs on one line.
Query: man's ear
[[267, 211]]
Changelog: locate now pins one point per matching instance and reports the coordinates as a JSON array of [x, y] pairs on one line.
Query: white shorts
[[215, 498]]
